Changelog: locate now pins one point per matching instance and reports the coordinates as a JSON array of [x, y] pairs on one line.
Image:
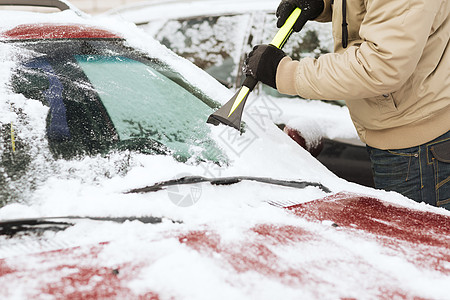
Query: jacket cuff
[[286, 76]]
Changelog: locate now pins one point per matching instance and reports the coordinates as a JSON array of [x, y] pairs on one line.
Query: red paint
[[56, 31], [76, 273], [299, 139], [283, 235], [379, 218], [251, 255], [80, 283], [199, 240], [416, 236], [5, 269], [89, 282], [424, 234]]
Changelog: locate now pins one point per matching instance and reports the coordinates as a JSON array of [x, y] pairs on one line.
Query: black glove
[[262, 63], [311, 9]]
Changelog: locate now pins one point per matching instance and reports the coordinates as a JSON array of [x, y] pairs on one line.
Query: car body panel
[[346, 246], [52, 31]]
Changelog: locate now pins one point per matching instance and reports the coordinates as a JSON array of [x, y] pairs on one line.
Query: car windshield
[[103, 95]]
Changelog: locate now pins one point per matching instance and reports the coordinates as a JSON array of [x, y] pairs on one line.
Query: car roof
[[56, 31], [153, 10], [39, 28], [58, 4]]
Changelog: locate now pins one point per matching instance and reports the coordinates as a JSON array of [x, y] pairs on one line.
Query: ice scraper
[[231, 112]]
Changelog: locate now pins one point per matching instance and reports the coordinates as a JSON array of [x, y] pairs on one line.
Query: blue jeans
[[420, 173]]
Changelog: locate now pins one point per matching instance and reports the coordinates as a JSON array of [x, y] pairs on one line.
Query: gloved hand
[[262, 63], [311, 9]]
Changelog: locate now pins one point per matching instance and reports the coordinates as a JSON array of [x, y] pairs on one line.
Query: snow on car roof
[[56, 31], [11, 19], [141, 12]]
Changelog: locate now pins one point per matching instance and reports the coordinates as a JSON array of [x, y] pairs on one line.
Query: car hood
[[317, 249]]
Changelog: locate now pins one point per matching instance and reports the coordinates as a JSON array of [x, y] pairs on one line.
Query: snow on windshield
[[218, 43], [237, 147]]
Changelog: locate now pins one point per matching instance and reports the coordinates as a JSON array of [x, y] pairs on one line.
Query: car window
[[103, 95], [306, 43], [213, 43], [218, 44]]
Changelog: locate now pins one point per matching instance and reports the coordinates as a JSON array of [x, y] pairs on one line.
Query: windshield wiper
[[227, 181], [39, 225]]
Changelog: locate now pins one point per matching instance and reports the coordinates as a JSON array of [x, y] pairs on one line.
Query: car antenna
[[231, 112]]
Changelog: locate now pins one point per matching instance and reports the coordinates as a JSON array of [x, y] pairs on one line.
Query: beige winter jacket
[[394, 74]]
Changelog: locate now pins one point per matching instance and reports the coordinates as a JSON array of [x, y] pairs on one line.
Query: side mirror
[[299, 139]]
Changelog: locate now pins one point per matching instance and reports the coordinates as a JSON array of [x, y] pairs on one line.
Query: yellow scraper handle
[[285, 31]]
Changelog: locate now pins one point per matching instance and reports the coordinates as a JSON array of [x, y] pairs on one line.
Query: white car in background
[[216, 35], [114, 187]]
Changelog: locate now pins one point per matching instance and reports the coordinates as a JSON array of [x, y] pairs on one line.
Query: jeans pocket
[[442, 151], [396, 170], [441, 161], [406, 159]]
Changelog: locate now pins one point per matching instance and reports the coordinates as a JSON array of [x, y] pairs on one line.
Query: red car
[[114, 186]]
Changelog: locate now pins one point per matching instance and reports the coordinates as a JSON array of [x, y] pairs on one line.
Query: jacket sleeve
[[391, 44], [325, 16]]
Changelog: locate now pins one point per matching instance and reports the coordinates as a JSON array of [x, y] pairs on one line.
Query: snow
[[96, 186], [142, 12]]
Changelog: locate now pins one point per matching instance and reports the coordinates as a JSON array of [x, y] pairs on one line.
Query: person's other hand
[[262, 63], [311, 9]]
